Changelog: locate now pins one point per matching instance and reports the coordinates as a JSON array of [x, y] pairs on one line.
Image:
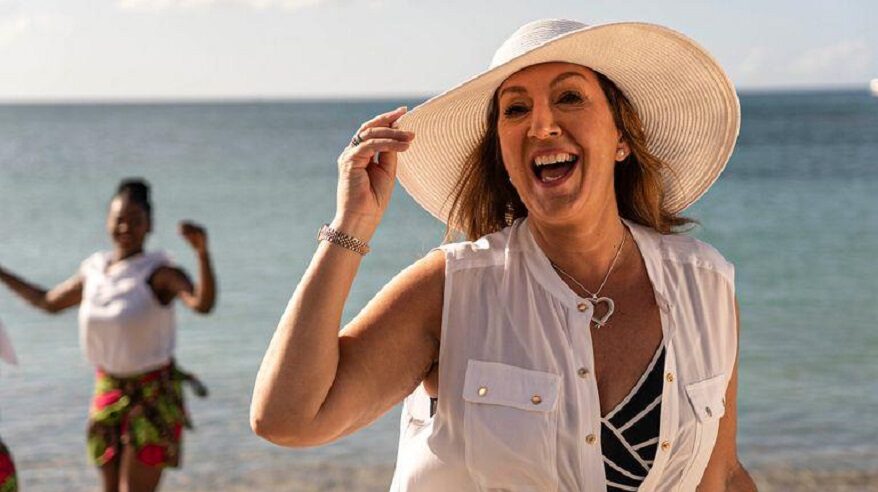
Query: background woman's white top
[[518, 405], [123, 328]]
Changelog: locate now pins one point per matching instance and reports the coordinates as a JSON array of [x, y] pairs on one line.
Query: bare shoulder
[[167, 281], [167, 275]]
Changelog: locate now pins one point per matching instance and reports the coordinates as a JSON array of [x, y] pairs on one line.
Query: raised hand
[[365, 182], [194, 234]]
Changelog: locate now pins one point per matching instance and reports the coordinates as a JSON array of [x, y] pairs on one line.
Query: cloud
[[16, 23], [847, 56], [14, 26], [162, 5], [754, 61]]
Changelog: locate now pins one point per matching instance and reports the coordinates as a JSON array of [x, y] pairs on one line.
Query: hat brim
[[686, 102]]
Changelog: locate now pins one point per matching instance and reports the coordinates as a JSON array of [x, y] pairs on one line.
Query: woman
[[580, 344], [127, 330]]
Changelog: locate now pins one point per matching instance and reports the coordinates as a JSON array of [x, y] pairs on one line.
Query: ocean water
[[796, 211]]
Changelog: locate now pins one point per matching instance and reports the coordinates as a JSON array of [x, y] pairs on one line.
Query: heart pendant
[[600, 322]]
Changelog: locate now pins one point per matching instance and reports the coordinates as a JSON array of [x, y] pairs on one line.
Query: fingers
[[366, 150], [384, 132], [385, 119], [387, 161], [187, 228]]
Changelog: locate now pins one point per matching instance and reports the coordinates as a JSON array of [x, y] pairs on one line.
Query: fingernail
[[402, 108]]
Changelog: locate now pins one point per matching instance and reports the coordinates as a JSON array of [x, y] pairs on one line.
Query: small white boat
[[873, 86]]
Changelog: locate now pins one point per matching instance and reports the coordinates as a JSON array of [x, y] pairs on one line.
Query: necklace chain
[[594, 295]]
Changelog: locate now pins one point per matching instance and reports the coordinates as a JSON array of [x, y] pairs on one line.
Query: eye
[[570, 97], [515, 109]]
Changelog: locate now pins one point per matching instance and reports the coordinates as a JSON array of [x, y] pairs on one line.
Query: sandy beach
[[328, 477]]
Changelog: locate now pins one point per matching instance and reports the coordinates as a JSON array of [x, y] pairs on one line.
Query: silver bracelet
[[339, 238]]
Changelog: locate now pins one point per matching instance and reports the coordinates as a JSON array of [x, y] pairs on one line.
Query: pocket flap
[[494, 383], [708, 397]]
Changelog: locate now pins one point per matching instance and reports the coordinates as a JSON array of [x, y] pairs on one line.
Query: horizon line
[[317, 98]]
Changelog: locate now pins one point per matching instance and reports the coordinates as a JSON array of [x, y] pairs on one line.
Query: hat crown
[[532, 35]]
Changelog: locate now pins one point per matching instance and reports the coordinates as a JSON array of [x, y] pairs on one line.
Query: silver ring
[[356, 140]]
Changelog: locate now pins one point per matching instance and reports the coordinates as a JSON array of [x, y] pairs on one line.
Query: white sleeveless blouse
[[518, 407], [123, 328]]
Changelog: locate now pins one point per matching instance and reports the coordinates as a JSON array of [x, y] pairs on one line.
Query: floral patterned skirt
[[8, 482], [145, 412]]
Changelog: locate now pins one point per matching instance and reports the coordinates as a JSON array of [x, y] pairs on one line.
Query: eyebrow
[[561, 78]]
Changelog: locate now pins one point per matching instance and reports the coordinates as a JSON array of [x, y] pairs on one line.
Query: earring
[[620, 154]]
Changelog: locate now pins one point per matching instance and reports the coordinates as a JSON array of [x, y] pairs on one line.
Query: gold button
[[666, 445], [483, 391], [536, 400], [582, 372], [590, 439], [670, 378], [582, 307]]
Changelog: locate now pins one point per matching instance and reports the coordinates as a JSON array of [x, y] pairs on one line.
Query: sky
[[181, 49]]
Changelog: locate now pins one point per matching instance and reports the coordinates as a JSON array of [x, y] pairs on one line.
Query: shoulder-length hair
[[484, 200]]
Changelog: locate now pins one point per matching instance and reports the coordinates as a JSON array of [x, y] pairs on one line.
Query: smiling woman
[[576, 340], [485, 199]]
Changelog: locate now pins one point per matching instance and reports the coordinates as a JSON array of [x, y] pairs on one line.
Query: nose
[[543, 124]]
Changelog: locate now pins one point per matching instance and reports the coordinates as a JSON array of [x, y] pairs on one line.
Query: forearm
[[205, 288], [301, 363], [33, 294]]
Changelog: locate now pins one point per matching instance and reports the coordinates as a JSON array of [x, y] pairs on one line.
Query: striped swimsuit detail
[[629, 433]]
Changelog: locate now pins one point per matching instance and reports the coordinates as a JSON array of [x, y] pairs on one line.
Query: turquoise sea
[[796, 211]]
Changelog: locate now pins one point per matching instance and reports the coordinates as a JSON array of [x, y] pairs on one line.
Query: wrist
[[358, 226]]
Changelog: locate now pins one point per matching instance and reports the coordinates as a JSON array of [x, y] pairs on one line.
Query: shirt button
[[483, 391], [582, 372], [666, 445], [590, 439], [670, 378], [582, 307], [536, 399]]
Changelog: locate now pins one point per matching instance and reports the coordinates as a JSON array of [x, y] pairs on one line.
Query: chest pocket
[[510, 427], [708, 400]]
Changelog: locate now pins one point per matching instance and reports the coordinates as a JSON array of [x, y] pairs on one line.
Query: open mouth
[[553, 168]]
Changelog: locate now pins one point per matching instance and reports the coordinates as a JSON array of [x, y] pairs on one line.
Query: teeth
[[544, 160]]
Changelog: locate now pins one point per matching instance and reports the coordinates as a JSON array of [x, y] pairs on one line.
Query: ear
[[623, 150]]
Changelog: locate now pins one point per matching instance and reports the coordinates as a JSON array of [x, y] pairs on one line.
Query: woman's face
[[558, 140], [128, 224]]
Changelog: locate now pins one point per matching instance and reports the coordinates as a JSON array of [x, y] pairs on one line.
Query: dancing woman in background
[[128, 330]]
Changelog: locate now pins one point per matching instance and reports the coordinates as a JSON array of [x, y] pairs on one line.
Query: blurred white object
[[7, 353], [873, 86]]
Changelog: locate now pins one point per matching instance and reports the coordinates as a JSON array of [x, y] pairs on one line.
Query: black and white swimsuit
[[629, 433]]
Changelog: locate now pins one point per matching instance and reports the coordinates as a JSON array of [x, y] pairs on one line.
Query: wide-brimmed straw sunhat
[[688, 105]]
